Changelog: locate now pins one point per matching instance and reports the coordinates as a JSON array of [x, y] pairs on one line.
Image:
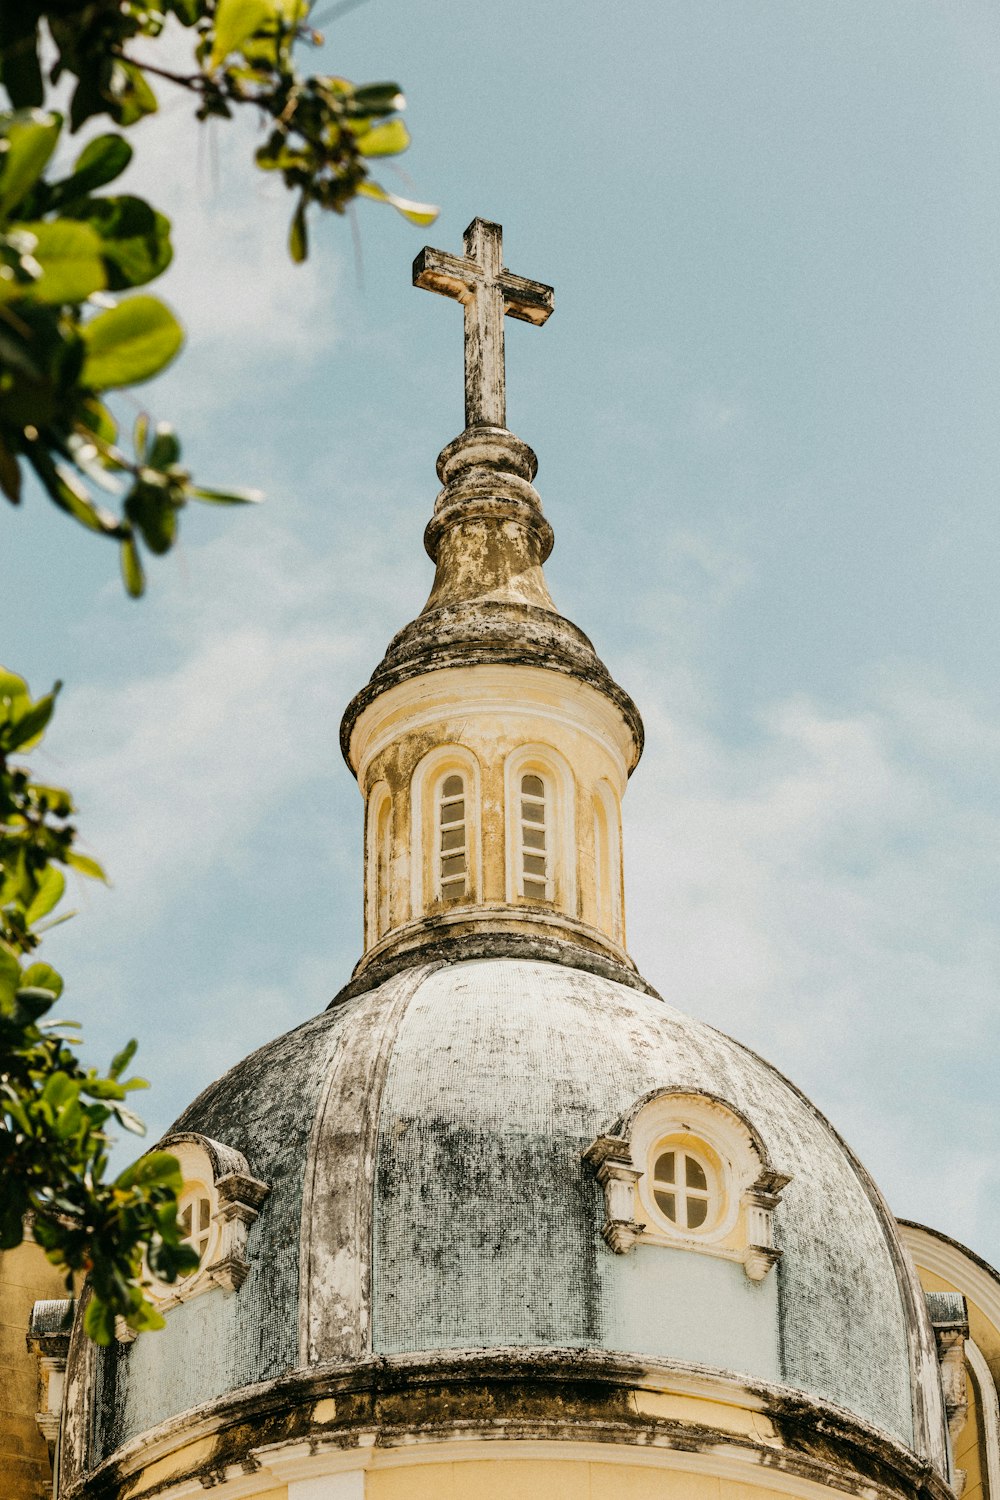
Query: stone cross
[[488, 292]]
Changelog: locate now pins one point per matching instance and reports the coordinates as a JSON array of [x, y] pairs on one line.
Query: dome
[[425, 1144]]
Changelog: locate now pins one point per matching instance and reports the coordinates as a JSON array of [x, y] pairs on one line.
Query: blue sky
[[766, 416]]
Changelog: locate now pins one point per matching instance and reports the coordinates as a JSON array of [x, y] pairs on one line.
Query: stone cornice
[[581, 1396]]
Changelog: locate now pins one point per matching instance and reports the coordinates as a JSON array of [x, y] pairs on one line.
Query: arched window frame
[[378, 862], [426, 786], [560, 807], [745, 1187], [608, 862], [219, 1174], [989, 1417]]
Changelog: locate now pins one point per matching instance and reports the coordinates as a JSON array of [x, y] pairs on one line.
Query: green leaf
[[235, 21], [43, 977], [59, 1088], [146, 1318], [155, 1169], [99, 1322], [129, 1119], [68, 493], [378, 99], [28, 728], [51, 886], [33, 1001], [86, 866], [101, 161], [96, 418], [131, 94], [152, 511], [228, 497], [121, 1059], [129, 343], [384, 140], [135, 578], [165, 448], [421, 214], [20, 69], [10, 474], [12, 686], [69, 255], [134, 238], [12, 1210], [10, 974], [298, 235], [27, 140]]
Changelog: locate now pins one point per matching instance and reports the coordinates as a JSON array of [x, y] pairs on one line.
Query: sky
[[765, 411]]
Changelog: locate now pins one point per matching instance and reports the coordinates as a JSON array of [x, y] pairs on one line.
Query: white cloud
[[175, 767], [824, 893], [231, 280]]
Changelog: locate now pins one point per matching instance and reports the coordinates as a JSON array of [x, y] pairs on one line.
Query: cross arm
[[451, 275], [531, 301]]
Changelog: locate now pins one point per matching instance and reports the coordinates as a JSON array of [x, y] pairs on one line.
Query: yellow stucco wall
[[25, 1277], [968, 1446], [554, 1479], [968, 1450]]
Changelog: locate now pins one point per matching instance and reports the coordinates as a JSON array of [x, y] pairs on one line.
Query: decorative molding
[[989, 1413], [474, 692], [748, 1187], [950, 1320], [869, 1461], [235, 1198], [423, 848], [48, 1337], [612, 1158]]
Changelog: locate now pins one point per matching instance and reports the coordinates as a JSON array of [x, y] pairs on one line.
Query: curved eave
[[458, 654], [458, 1397]]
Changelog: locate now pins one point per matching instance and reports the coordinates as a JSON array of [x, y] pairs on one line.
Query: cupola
[[491, 745]]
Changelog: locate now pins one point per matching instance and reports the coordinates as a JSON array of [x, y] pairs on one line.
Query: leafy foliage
[[53, 1111], [68, 343], [62, 244], [66, 248]]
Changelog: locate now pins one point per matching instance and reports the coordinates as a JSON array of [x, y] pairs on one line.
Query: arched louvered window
[[535, 838], [453, 850]]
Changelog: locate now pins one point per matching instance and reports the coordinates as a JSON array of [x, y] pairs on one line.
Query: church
[[500, 1222]]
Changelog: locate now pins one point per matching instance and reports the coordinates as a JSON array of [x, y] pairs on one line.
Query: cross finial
[[488, 292]]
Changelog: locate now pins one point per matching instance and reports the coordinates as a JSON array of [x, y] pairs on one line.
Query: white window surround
[[426, 783], [608, 860], [743, 1186], [560, 824], [221, 1175], [989, 1416], [378, 860]]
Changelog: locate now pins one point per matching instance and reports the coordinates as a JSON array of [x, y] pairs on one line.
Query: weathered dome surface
[[423, 1142]]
